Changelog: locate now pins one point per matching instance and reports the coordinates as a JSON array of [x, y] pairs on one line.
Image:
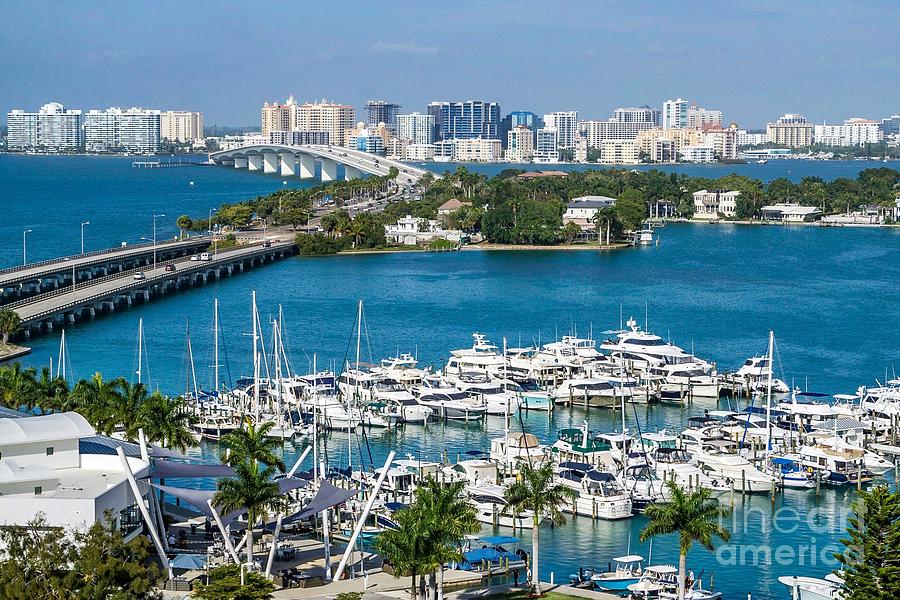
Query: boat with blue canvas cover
[[492, 552]]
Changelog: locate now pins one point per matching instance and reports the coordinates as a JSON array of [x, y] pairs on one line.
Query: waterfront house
[[869, 214], [450, 205], [583, 209], [56, 465], [790, 212], [711, 204], [410, 231]]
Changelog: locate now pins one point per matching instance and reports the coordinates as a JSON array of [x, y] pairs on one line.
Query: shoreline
[[480, 247], [12, 351]]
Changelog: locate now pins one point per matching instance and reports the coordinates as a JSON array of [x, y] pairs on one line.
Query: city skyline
[[743, 63]]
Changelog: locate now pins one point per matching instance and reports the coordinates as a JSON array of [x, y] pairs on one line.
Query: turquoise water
[[830, 295]]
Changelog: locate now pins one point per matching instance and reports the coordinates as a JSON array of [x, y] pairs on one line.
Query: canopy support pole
[[224, 533], [362, 518], [139, 500], [281, 516]]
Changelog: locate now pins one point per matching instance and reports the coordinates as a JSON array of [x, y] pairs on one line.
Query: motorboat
[[592, 392], [481, 357], [736, 471], [812, 588], [492, 508], [402, 368], [661, 581], [600, 496], [627, 571], [674, 464], [519, 447], [790, 470], [402, 407], [755, 374], [645, 485], [496, 399], [528, 391], [693, 378], [581, 446], [448, 402], [635, 349]]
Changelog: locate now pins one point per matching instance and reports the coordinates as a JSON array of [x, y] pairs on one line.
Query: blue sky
[[752, 60]]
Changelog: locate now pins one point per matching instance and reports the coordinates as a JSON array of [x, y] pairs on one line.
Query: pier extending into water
[[76, 301]]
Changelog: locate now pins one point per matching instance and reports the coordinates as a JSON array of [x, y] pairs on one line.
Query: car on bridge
[[139, 275], [170, 268]]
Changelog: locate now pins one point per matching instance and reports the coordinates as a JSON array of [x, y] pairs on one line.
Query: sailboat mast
[[315, 403], [190, 349], [216, 344], [255, 361], [505, 414], [769, 393], [61, 361], [356, 379], [140, 347]]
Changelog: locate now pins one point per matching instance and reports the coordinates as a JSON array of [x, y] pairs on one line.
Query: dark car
[[170, 268]]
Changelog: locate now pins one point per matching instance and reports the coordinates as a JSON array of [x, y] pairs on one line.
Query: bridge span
[[289, 161], [106, 294]]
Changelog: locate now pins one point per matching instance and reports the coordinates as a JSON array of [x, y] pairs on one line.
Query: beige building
[[709, 204], [619, 153], [477, 149], [722, 139], [790, 130], [663, 152], [181, 126], [520, 144], [278, 117], [336, 119]]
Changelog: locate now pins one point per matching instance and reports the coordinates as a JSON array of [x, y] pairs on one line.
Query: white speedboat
[[812, 588], [491, 507], [755, 373], [600, 496], [736, 471]]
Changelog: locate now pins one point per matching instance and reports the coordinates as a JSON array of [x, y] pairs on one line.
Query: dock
[[165, 164], [109, 293]]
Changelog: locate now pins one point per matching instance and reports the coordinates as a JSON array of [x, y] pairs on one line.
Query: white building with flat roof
[[410, 231], [790, 212], [135, 130], [710, 204], [698, 117], [520, 144], [566, 124], [46, 467], [698, 154], [675, 114], [854, 132], [583, 209], [546, 149], [416, 127], [53, 128]]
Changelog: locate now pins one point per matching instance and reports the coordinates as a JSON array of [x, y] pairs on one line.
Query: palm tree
[[358, 231], [98, 401], [251, 489], [448, 518], [51, 391], [406, 547], [10, 324], [536, 491], [252, 443], [131, 398], [694, 516], [167, 422], [18, 387]]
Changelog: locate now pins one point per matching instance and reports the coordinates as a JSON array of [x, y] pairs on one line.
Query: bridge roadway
[[40, 313], [284, 159], [18, 281]]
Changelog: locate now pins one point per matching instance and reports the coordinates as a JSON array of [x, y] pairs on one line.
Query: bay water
[[830, 295]]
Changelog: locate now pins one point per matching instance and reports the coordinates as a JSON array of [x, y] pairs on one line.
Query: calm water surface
[[830, 295]]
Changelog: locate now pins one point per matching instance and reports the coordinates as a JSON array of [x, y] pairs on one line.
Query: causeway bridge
[[108, 293], [289, 161], [17, 283]]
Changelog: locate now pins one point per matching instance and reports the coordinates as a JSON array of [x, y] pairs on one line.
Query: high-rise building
[[566, 124], [890, 126], [751, 138], [546, 149], [363, 138], [790, 130], [465, 120], [675, 114], [519, 117], [854, 132], [122, 130], [379, 111], [699, 117], [52, 128], [279, 117], [325, 116], [416, 127], [641, 114], [676, 140], [520, 144], [181, 126], [477, 149]]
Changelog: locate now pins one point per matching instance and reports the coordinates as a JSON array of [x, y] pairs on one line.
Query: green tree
[[536, 491], [252, 443], [10, 324], [694, 516], [871, 559], [630, 210], [18, 387], [571, 231], [407, 547], [99, 401], [295, 217], [251, 489], [225, 584], [317, 244], [167, 422], [184, 223]]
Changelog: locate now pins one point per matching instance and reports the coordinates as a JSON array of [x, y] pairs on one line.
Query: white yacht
[[491, 508], [693, 378], [812, 588], [482, 357], [600, 495], [331, 413], [755, 373], [402, 368], [636, 349], [518, 447], [736, 471], [497, 400], [447, 402], [593, 393]]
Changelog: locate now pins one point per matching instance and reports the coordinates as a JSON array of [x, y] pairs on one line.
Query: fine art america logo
[[799, 538]]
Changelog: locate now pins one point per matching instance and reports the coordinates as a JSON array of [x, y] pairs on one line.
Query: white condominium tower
[[566, 125], [53, 128], [181, 126], [123, 130], [675, 114], [416, 127]]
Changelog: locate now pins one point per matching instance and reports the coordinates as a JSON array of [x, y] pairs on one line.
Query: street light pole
[[154, 238], [24, 249], [83, 223], [209, 222]]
